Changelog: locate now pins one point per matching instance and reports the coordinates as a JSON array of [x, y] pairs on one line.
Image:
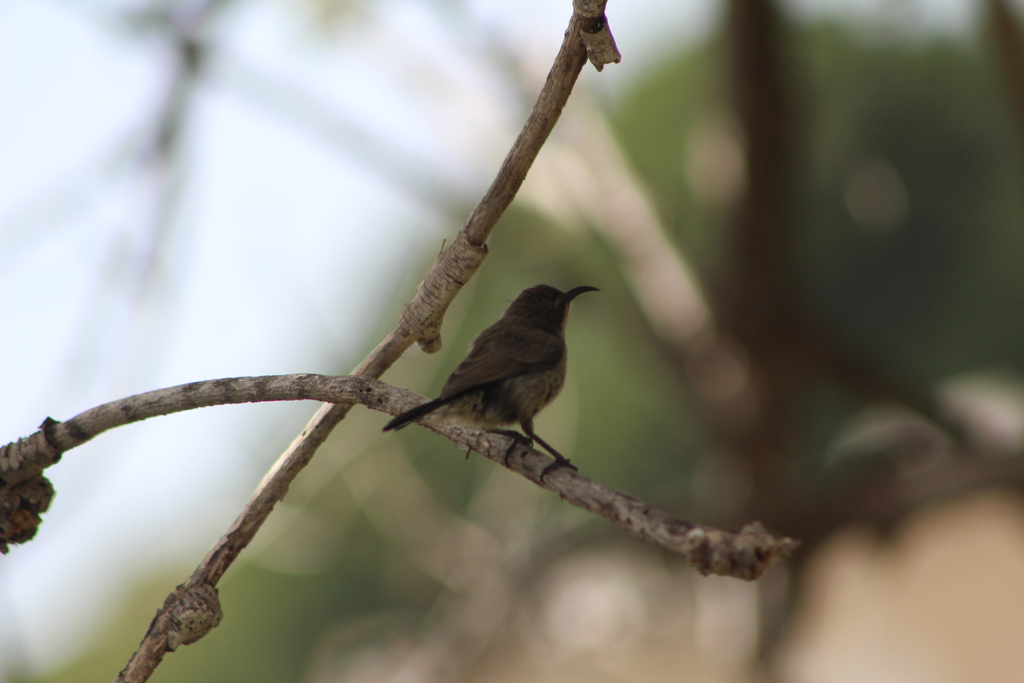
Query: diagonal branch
[[420, 322], [743, 555]]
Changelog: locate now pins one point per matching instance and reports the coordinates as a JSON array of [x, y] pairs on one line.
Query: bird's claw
[[517, 439], [557, 464]]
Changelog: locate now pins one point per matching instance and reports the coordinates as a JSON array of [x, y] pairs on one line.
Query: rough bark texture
[[743, 555]]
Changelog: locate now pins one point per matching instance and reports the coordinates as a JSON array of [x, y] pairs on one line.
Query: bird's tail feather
[[416, 413]]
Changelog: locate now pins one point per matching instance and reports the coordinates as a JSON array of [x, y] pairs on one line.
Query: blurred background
[[807, 222]]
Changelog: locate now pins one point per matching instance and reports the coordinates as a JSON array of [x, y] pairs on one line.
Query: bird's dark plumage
[[514, 369]]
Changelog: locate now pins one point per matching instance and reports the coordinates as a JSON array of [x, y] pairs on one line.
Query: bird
[[514, 369]]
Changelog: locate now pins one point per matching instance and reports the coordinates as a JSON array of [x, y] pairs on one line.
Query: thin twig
[[744, 555]]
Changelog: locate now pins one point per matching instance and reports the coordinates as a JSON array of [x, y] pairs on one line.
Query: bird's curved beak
[[576, 291]]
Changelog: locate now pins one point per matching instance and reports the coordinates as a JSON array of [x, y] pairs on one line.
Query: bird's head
[[545, 306]]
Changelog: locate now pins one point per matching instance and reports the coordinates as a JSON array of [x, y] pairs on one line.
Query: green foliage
[[934, 294]]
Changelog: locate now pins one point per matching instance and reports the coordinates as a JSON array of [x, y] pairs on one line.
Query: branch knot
[[422, 318], [28, 456], [192, 612]]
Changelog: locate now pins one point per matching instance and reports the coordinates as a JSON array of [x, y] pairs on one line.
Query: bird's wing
[[502, 354]]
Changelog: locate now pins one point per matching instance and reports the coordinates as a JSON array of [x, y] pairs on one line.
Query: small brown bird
[[515, 368]]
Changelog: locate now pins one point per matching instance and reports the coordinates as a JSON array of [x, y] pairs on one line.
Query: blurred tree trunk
[[1005, 33], [757, 300]]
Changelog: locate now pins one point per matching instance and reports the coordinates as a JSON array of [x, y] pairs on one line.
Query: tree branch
[[744, 555]]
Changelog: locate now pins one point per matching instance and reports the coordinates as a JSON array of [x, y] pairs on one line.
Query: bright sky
[[280, 257]]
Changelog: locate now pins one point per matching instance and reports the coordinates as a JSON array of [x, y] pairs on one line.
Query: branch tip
[[595, 34]]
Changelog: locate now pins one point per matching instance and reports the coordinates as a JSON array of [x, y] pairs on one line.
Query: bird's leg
[[560, 460], [517, 439]]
